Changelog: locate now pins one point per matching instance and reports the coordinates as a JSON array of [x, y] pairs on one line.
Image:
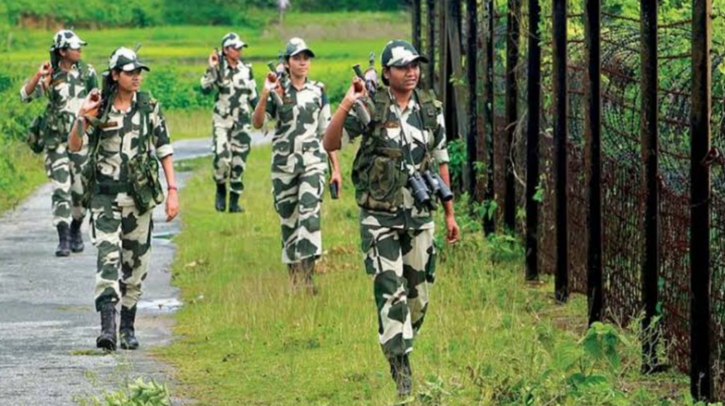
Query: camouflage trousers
[[402, 263], [297, 200], [123, 238], [64, 169], [231, 149]]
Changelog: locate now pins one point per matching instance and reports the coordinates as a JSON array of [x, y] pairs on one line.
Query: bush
[[176, 89]]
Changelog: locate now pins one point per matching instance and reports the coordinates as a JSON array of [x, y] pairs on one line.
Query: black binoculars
[[423, 186]]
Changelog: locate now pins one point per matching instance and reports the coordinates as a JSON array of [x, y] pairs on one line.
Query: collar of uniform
[[306, 86], [412, 104], [229, 66], [130, 108]]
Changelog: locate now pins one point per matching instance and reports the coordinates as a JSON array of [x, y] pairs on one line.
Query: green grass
[[21, 172], [189, 124], [489, 339]]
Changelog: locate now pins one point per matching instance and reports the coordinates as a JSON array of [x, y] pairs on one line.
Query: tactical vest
[[142, 180], [378, 170]]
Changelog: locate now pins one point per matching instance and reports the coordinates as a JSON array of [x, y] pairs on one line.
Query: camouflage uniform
[[65, 97], [120, 231], [299, 165], [235, 100], [396, 235]]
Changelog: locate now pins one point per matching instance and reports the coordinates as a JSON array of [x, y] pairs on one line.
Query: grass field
[[245, 339]]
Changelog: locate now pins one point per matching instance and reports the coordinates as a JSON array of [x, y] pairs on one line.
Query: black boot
[[63, 249], [76, 239], [107, 339], [126, 330], [402, 375], [234, 206], [221, 197]]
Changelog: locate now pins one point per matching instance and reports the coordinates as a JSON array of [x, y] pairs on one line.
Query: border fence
[[597, 135]]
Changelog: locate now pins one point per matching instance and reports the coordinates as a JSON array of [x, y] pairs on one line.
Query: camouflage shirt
[[301, 123], [405, 130], [65, 95], [119, 143], [236, 94]]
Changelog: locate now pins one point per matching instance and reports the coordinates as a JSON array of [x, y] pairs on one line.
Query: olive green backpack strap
[[381, 100], [145, 105], [428, 109]]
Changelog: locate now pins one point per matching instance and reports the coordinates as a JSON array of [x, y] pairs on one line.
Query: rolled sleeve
[[354, 127], [207, 81], [325, 116], [271, 108], [25, 97], [160, 133]]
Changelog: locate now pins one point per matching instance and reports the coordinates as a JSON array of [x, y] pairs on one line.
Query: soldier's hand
[[355, 91], [172, 205], [91, 104], [272, 84], [46, 69], [213, 59], [453, 231], [336, 178]]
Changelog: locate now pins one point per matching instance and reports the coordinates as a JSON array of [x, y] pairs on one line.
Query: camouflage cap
[[400, 53], [126, 60], [67, 39], [233, 40], [296, 46]]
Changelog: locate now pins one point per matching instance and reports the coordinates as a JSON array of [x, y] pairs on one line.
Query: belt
[[112, 188]]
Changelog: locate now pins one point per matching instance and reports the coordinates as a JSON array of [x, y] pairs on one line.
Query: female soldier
[[402, 145], [235, 100], [298, 160], [124, 183], [65, 80]]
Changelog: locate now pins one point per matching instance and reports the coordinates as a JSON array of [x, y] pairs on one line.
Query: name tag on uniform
[[391, 124], [109, 125], [288, 100]]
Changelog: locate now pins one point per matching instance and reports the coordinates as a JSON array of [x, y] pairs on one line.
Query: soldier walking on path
[[123, 126], [397, 174], [299, 163], [65, 80], [236, 98]]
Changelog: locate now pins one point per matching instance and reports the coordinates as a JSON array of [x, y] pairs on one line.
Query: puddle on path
[[168, 305]]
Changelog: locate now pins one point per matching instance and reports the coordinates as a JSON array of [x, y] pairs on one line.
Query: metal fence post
[[701, 359], [532, 141], [560, 149]]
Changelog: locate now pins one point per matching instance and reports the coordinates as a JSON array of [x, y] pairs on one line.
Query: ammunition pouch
[[35, 137], [379, 180], [143, 181]]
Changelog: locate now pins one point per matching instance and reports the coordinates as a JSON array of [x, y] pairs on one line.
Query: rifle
[[279, 77], [220, 64], [371, 85]]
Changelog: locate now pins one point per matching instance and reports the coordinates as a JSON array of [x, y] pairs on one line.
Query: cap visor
[[419, 58], [77, 45], [129, 67], [306, 50], [236, 45]]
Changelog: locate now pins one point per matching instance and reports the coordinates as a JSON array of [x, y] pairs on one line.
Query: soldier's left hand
[[172, 205], [454, 232], [336, 177]]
